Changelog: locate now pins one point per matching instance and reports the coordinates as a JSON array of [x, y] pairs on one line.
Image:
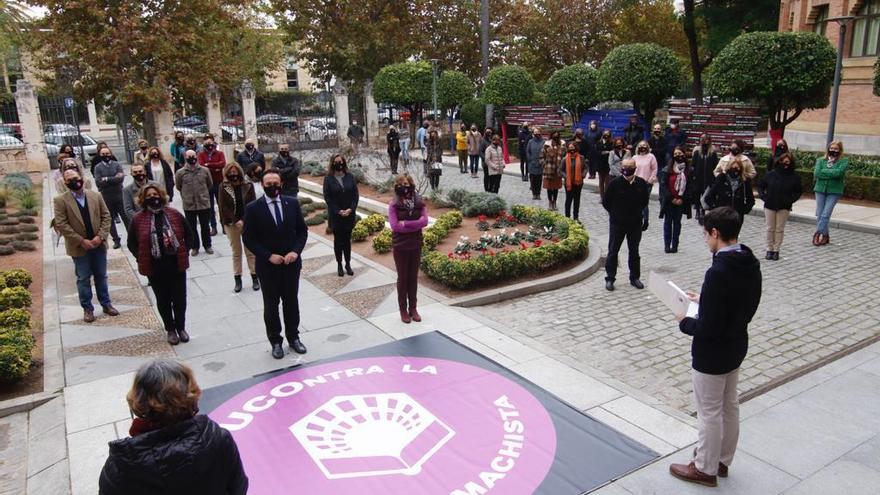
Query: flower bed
[[551, 240]]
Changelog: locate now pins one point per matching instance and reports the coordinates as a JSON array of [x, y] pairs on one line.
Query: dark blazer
[[263, 238], [666, 195], [167, 175], [341, 197]]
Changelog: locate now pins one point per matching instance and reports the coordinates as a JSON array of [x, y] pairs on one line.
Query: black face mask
[[786, 164], [154, 203], [190, 142], [678, 159], [733, 174], [271, 191], [154, 155], [284, 153], [74, 184], [144, 148], [781, 147], [337, 167], [249, 147], [191, 160], [139, 177], [403, 191], [833, 153], [627, 172], [735, 151], [105, 159], [643, 150], [233, 178], [178, 139], [209, 146], [656, 133]]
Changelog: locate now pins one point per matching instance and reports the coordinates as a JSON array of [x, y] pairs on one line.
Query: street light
[[434, 84], [842, 21]]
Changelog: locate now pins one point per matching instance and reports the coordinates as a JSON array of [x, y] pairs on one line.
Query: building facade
[[858, 111]]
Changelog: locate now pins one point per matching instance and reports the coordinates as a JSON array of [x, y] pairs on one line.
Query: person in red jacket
[[215, 161]]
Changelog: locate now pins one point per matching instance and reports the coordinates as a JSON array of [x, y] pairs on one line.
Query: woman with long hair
[[646, 168], [619, 154], [341, 196], [779, 189], [407, 215], [551, 161], [676, 193], [434, 163], [160, 172], [234, 195], [829, 174], [393, 140]]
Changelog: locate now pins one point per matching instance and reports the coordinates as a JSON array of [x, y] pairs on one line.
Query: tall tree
[[649, 21], [642, 73], [574, 88], [406, 84]]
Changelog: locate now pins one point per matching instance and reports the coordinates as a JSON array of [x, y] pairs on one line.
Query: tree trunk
[[150, 129], [690, 30]]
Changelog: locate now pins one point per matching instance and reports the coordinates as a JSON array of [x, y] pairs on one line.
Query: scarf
[[169, 244], [680, 179], [573, 171]]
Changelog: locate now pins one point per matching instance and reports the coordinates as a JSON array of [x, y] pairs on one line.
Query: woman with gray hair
[[172, 449]]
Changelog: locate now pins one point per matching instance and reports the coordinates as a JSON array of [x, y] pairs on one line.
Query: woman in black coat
[[157, 165], [341, 196], [172, 450], [393, 139], [704, 159], [731, 189], [676, 194], [779, 189]]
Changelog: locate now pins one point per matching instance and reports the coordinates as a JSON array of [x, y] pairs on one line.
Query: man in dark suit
[[274, 230]]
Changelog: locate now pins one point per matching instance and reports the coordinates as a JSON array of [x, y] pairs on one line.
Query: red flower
[[491, 253], [481, 218], [451, 255], [511, 218], [538, 242], [523, 246]]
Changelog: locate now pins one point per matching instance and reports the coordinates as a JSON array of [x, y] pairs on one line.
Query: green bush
[[859, 165], [17, 277], [26, 236], [385, 186], [866, 187], [30, 220], [304, 200], [4, 240], [15, 318], [641, 73], [27, 200], [358, 174], [4, 197], [438, 231], [474, 112], [17, 180], [483, 203], [457, 196], [6, 250], [31, 212], [573, 87], [382, 242], [14, 297], [28, 228], [16, 345], [508, 85], [10, 221], [373, 223], [317, 219], [23, 245], [360, 232]]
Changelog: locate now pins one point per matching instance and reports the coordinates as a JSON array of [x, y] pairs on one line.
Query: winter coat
[[704, 167], [129, 198], [780, 188], [624, 200], [215, 161], [667, 194], [340, 197], [461, 141], [748, 171], [250, 160], [632, 134], [495, 160], [551, 165], [674, 139], [139, 245], [523, 138], [533, 155], [722, 193], [658, 148], [600, 155], [434, 154], [830, 180], [473, 143], [108, 178], [614, 160], [393, 140], [289, 168], [226, 201], [194, 185], [193, 457], [167, 177]]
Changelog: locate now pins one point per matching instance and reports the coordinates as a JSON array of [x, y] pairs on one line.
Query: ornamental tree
[[877, 77], [407, 84], [473, 112], [508, 85], [796, 73], [453, 89], [573, 87], [642, 73]]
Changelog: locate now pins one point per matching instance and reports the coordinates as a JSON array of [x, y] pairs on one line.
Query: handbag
[[436, 166]]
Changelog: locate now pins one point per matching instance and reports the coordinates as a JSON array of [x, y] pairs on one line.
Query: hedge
[[382, 242], [438, 231], [16, 340], [14, 297], [367, 226], [16, 345], [463, 274], [862, 176]]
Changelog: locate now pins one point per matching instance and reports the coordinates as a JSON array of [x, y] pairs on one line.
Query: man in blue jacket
[[728, 300]]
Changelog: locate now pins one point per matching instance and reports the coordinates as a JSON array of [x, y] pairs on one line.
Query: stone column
[[249, 110], [31, 127], [213, 116], [340, 99], [164, 126], [371, 126], [94, 127]]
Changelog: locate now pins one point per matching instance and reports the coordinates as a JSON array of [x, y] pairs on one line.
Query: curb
[[580, 272]]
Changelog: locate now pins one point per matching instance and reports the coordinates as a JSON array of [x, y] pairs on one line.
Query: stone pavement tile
[[88, 451], [612, 489], [365, 280], [219, 284], [503, 344], [54, 480], [871, 366], [330, 267], [212, 307], [13, 457], [73, 335], [210, 336], [570, 385], [197, 267], [87, 368], [756, 405], [823, 374], [631, 430], [748, 476], [799, 437], [222, 264], [841, 477], [317, 250], [481, 348], [97, 403], [46, 449], [434, 317], [850, 398], [69, 313], [46, 417], [321, 313], [867, 454], [652, 420]]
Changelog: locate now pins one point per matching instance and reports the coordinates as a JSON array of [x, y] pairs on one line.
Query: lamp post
[[842, 22], [434, 84], [484, 49]]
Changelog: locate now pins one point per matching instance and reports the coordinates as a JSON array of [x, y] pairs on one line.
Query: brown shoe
[[826, 239], [404, 316], [88, 315], [414, 314], [110, 310], [689, 472], [184, 337], [816, 238], [173, 338]]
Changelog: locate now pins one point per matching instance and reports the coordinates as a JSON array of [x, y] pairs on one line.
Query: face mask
[[190, 142], [143, 148], [656, 133], [735, 151], [233, 178], [74, 184], [209, 146], [191, 160], [105, 159], [402, 191], [249, 147], [284, 153], [271, 190], [496, 143], [679, 159], [782, 147], [627, 172], [734, 174], [618, 147], [154, 155], [786, 164], [179, 139], [337, 167], [642, 151], [154, 203], [833, 153], [139, 177]]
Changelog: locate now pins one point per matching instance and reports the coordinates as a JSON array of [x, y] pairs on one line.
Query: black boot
[[237, 284], [256, 282], [339, 270]]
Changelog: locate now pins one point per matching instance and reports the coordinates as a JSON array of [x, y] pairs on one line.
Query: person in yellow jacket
[[461, 147]]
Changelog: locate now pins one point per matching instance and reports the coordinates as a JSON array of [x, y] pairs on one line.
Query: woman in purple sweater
[[407, 215]]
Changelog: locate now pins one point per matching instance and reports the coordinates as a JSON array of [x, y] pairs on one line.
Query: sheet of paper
[[671, 295]]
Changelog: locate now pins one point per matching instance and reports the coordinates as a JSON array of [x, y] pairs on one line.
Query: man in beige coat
[[82, 218]]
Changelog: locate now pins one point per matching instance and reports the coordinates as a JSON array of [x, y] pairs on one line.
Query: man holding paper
[[729, 299]]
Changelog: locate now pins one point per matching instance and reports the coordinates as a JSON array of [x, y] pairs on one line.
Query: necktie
[[277, 213]]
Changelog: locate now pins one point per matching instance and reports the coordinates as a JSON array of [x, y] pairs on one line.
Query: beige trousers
[[775, 220], [234, 235], [718, 417]]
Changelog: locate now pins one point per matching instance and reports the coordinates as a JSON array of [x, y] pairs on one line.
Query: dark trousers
[[485, 174], [462, 161], [646, 213], [672, 226], [633, 235], [573, 196], [494, 183], [407, 264], [552, 194], [114, 204], [434, 180], [604, 179], [342, 243], [394, 158], [535, 184], [475, 163], [212, 194], [280, 285], [199, 220], [170, 292], [522, 166]]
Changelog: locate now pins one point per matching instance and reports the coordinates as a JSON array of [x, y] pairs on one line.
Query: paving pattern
[[815, 302]]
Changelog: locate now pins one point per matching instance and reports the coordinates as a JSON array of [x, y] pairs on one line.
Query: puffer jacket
[[193, 457]]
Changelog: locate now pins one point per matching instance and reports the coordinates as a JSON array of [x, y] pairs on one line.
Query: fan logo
[[371, 435]]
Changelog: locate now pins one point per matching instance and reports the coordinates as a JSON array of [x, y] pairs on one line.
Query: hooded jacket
[[193, 457], [728, 301]]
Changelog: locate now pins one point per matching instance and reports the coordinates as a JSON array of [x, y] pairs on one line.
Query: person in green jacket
[[829, 176]]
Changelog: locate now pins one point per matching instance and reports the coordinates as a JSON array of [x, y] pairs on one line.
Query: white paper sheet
[[672, 296]]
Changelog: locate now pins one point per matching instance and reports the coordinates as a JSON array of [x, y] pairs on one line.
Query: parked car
[[11, 130], [189, 121], [274, 119], [8, 141], [54, 142], [60, 129], [320, 129], [230, 133]]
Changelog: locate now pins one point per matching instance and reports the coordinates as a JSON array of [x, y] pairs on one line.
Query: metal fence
[[61, 117], [301, 122]]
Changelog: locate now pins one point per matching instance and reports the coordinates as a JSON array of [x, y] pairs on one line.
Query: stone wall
[[15, 160]]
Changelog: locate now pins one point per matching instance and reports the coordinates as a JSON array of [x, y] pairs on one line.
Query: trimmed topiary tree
[[644, 74], [406, 84], [454, 89], [797, 71], [573, 87], [473, 112], [508, 85]]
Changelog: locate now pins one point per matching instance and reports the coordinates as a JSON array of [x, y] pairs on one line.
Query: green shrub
[[317, 219], [27, 200], [15, 318], [23, 245], [14, 297], [17, 180], [382, 242], [307, 208], [2, 283], [26, 236], [859, 165], [28, 212], [30, 220], [6, 250], [385, 186], [304, 200], [8, 229], [457, 197], [358, 174], [10, 221], [855, 186], [16, 345], [360, 232], [28, 227], [4, 196], [483, 203], [373, 223], [17, 277], [6, 239], [438, 231]]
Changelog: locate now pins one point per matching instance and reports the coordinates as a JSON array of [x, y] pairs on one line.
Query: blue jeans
[[404, 149], [474, 163], [672, 226], [93, 264], [825, 203]]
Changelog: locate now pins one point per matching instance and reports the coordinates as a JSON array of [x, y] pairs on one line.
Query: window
[[866, 30], [821, 21], [292, 74]]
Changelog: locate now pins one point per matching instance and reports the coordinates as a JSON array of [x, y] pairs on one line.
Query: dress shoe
[[172, 337], [116, 244], [194, 252], [277, 351], [298, 347], [348, 269], [722, 469], [825, 239], [668, 250], [184, 337], [404, 316], [209, 250], [237, 287], [769, 255], [109, 310], [88, 315], [255, 281], [609, 285], [674, 249], [689, 472], [525, 179], [637, 283], [414, 314], [339, 270], [775, 255], [816, 239], [213, 231]]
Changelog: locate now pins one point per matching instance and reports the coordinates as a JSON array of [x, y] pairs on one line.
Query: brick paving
[[815, 302]]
